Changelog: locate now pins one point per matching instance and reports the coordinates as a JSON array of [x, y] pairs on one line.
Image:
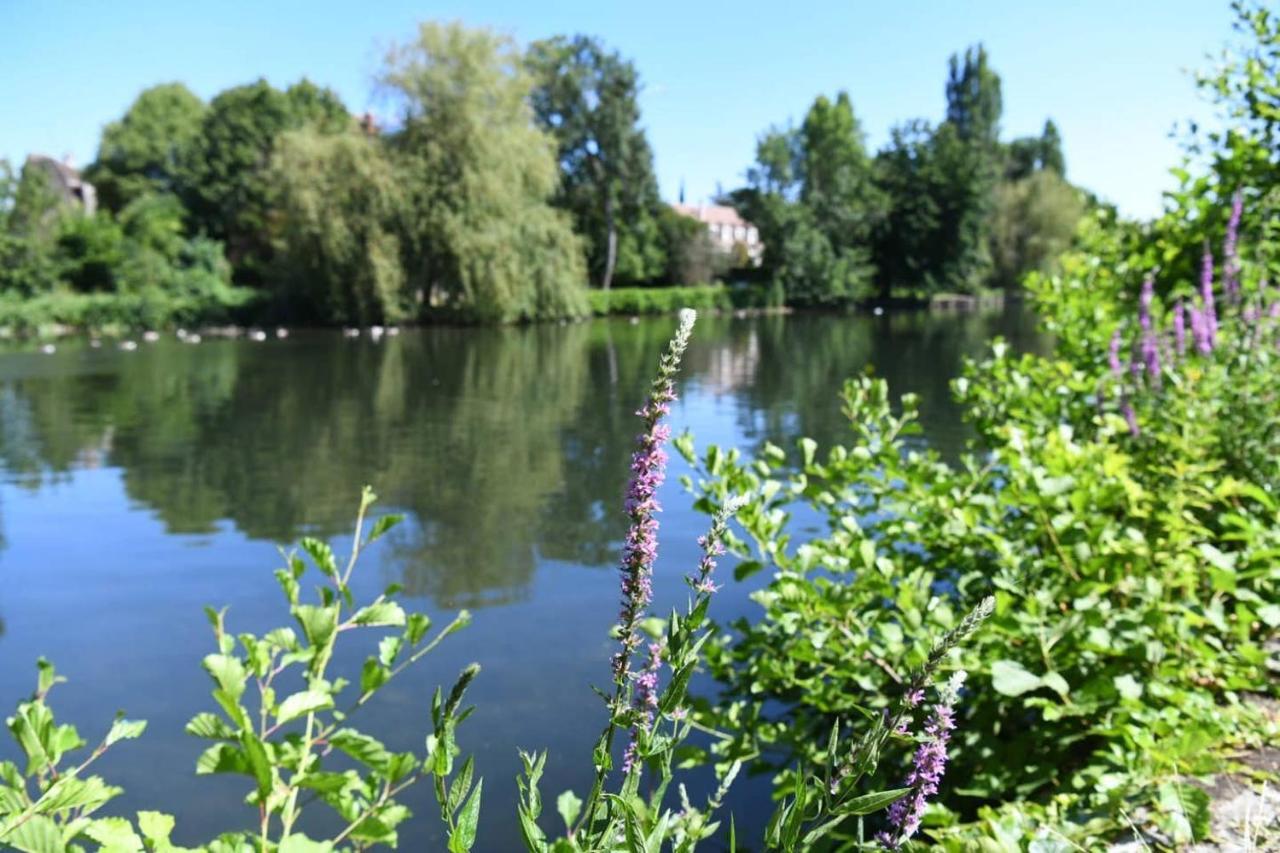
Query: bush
[[1120, 508]]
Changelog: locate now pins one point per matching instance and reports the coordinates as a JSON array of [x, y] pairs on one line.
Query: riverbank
[[238, 311]]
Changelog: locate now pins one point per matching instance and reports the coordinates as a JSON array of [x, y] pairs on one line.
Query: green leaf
[[223, 758], [1270, 615], [210, 726], [746, 569], [317, 623], [569, 806], [1009, 678], [1128, 686], [115, 834], [868, 803], [125, 730], [229, 672], [156, 827], [367, 750], [381, 526], [464, 835], [296, 843], [381, 613], [302, 703], [321, 554], [39, 834]]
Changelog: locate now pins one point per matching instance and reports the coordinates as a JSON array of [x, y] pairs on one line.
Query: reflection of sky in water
[[139, 487]]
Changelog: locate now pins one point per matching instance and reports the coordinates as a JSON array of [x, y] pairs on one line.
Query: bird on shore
[[150, 336], [48, 349], [282, 332], [128, 346], [350, 333], [257, 335]]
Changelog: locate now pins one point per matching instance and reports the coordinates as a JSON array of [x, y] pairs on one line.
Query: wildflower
[[712, 545], [1113, 354], [1206, 297], [928, 767], [1230, 255], [646, 704], [1131, 418], [1179, 331], [648, 471]]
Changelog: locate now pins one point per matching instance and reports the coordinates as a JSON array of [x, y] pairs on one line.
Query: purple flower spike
[[1131, 418], [646, 703], [1206, 298], [1230, 254], [648, 470], [927, 768], [1113, 354], [1179, 331]]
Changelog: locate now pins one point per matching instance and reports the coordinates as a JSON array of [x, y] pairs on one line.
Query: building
[[65, 181], [726, 228]]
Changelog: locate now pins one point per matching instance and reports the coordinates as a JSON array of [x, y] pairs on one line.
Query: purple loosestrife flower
[[712, 545], [648, 470], [1199, 330], [1206, 297], [1179, 331], [1150, 351], [1113, 354], [1131, 418], [646, 704], [1230, 255], [927, 769]]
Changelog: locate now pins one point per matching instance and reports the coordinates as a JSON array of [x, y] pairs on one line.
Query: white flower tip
[[687, 316]]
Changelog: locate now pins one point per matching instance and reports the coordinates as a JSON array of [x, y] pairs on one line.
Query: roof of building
[[711, 214]]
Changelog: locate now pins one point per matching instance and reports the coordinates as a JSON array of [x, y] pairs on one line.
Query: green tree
[[814, 198], [1033, 223], [343, 209], [837, 182], [488, 244], [231, 198], [967, 149], [584, 96], [150, 149], [907, 251]]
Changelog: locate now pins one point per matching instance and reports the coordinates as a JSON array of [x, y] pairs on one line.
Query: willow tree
[[342, 210], [488, 244]]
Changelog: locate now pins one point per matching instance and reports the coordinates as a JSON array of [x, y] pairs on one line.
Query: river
[[139, 486]]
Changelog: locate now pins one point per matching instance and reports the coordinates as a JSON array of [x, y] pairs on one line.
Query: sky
[[1114, 74]]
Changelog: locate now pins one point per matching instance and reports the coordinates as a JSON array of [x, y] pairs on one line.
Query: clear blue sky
[[1112, 73]]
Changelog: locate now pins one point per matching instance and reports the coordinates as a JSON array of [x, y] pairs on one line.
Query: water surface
[[138, 487]]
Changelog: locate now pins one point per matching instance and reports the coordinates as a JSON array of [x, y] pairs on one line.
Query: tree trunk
[[611, 250]]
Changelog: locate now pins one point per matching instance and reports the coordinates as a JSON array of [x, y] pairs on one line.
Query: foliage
[[343, 210], [1124, 521], [691, 255], [489, 244], [229, 194], [659, 300], [584, 97], [292, 739], [813, 199], [1033, 223], [150, 149]]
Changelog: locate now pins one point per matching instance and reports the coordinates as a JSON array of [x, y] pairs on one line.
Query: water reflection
[[506, 446], [138, 487]]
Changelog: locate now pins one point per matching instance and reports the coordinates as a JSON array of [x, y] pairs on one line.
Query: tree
[[967, 149], [150, 149], [836, 175], [1051, 149], [231, 198], [343, 209], [907, 249], [974, 101], [488, 244], [813, 196], [692, 257], [1033, 223], [585, 97]]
